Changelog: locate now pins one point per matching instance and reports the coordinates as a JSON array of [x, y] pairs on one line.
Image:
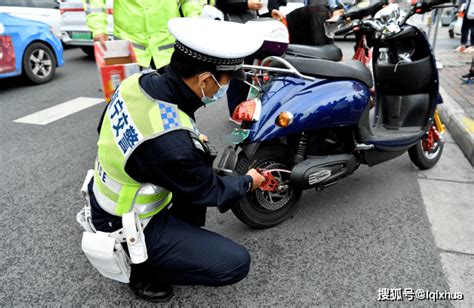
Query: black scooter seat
[[328, 69], [326, 52]]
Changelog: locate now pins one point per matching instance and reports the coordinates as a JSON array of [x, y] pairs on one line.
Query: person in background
[[467, 27], [242, 11], [273, 7], [239, 11], [470, 74], [144, 23], [306, 25]]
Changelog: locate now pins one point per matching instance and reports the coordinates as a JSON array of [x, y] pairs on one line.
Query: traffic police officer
[[151, 160], [144, 23]]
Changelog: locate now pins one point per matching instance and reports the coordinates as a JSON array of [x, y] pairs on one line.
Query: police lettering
[[122, 121], [118, 107], [102, 174], [125, 133], [130, 137]]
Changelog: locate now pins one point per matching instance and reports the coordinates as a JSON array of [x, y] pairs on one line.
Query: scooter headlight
[[248, 111]]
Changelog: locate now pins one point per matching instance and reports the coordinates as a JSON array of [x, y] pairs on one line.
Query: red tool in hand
[[271, 183]]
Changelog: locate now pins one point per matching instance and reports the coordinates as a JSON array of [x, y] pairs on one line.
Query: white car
[[74, 27], [46, 11]]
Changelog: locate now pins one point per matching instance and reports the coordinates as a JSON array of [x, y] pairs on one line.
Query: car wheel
[[88, 50], [39, 63]]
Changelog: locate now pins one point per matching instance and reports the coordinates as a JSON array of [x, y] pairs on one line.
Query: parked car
[[455, 26], [46, 11], [447, 17], [74, 28], [28, 47]]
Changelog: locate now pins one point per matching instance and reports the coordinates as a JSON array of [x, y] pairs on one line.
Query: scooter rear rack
[[290, 69]]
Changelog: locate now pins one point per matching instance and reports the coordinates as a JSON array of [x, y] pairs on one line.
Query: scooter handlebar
[[372, 24], [343, 30]]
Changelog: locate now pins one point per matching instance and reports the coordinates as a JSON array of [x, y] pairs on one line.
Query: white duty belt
[[84, 217]]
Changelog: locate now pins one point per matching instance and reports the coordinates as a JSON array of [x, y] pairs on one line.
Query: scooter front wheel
[[423, 157], [264, 209]]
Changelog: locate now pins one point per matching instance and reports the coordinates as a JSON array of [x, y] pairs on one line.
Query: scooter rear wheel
[[262, 209], [425, 159]]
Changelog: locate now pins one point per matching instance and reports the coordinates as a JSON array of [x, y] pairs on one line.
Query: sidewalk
[[457, 111], [451, 217]]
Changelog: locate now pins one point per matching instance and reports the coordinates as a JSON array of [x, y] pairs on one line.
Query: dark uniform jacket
[[238, 10], [174, 162], [306, 25]]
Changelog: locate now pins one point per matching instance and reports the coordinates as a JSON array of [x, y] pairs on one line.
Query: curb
[[460, 126]]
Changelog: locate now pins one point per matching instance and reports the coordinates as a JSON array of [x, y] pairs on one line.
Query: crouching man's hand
[[257, 179]]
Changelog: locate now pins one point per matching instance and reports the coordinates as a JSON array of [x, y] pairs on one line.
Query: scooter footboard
[[405, 111]]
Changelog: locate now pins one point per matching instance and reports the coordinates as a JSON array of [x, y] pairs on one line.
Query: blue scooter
[[309, 122]]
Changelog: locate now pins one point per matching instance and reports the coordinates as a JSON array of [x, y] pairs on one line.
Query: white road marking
[[59, 111]]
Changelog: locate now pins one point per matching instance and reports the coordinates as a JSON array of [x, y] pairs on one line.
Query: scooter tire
[[248, 210], [423, 159]]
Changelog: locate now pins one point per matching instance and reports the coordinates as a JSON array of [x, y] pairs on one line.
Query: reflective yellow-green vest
[[131, 118], [144, 23]]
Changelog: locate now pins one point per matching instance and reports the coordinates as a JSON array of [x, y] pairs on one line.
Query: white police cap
[[222, 43]]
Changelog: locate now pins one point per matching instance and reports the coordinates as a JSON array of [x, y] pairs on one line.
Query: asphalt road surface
[[369, 232]]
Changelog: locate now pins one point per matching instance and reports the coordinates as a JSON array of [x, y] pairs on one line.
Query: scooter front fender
[[322, 103]]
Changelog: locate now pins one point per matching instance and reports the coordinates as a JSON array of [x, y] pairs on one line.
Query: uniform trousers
[[181, 253]]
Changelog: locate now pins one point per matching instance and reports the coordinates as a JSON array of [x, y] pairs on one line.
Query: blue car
[[28, 47]]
